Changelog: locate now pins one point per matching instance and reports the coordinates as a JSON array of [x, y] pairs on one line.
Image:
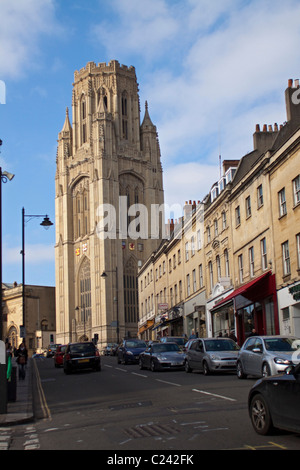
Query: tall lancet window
[[124, 116], [83, 115], [85, 291]]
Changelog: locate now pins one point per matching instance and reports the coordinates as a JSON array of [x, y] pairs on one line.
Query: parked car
[[212, 355], [130, 350], [160, 356], [107, 349], [114, 350], [273, 402], [80, 356], [180, 340], [51, 349], [59, 355], [262, 356]]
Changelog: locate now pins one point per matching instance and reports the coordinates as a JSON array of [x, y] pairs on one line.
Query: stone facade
[[242, 269], [39, 316], [107, 162]]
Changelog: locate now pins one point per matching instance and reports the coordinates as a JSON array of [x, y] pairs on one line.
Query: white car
[[263, 356]]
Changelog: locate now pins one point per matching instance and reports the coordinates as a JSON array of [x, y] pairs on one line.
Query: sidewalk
[[20, 411]]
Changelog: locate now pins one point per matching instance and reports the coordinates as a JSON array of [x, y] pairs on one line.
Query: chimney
[[264, 140], [292, 101]]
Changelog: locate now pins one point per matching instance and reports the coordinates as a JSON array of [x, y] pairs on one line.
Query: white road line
[[123, 370], [140, 375], [106, 365], [170, 383], [213, 394]]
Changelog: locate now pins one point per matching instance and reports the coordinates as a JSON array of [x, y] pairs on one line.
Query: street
[[124, 409]]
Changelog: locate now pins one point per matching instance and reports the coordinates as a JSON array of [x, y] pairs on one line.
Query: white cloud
[[22, 24]]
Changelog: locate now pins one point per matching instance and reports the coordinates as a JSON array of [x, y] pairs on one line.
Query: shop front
[[170, 323], [252, 308]]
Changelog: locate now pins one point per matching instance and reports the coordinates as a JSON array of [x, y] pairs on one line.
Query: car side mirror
[[257, 350]]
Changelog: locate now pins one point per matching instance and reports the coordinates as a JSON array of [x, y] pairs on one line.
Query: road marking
[[140, 375], [118, 368], [43, 401], [106, 365], [213, 394], [170, 383]]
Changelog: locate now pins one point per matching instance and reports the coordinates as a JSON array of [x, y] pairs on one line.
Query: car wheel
[[266, 371], [260, 415], [239, 371], [206, 370], [152, 366], [141, 364], [187, 368]]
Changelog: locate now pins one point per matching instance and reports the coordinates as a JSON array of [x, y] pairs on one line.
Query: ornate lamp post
[[104, 276], [46, 223]]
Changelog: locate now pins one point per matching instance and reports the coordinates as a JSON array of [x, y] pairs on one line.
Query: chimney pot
[[290, 83], [265, 128], [257, 128]]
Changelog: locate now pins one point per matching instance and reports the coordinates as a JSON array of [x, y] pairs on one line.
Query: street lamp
[[46, 223], [4, 177], [104, 276]]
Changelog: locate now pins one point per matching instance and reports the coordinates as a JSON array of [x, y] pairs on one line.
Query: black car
[[274, 402], [80, 356], [130, 350]]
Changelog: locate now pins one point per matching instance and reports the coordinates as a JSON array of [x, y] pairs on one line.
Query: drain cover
[[151, 430]]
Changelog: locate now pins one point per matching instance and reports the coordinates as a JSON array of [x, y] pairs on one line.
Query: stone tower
[[108, 175]]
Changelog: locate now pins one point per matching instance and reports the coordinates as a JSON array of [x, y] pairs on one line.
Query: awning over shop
[[247, 291], [146, 326]]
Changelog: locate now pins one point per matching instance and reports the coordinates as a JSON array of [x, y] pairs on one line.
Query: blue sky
[[209, 69]]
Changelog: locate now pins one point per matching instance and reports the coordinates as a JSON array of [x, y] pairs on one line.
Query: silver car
[[212, 355], [266, 355], [160, 356]]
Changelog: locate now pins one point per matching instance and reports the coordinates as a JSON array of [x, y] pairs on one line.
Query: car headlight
[[214, 357], [279, 360], [129, 353], [161, 358]]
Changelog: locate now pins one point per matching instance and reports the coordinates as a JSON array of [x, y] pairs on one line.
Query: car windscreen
[[82, 348], [220, 345], [180, 341], [158, 348], [282, 344], [135, 344]]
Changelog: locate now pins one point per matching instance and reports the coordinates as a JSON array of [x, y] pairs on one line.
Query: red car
[[59, 355]]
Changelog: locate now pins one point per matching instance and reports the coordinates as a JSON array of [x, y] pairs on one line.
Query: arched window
[[85, 291], [124, 116], [83, 119], [130, 292]]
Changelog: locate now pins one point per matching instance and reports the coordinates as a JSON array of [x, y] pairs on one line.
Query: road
[[124, 409]]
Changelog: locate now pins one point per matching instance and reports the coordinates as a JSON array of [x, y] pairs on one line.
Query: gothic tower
[[108, 176]]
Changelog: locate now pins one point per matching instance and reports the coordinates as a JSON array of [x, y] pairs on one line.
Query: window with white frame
[[198, 240], [241, 268], [188, 285], [211, 275], [208, 234], [251, 261], [260, 196], [194, 281], [248, 206], [216, 227], [282, 202], [218, 263], [193, 245], [296, 190], [224, 220], [187, 251], [200, 276], [263, 250], [226, 257], [237, 216], [286, 258]]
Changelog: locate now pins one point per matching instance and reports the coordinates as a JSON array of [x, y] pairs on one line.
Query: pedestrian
[[22, 356], [192, 335], [8, 360], [232, 336]]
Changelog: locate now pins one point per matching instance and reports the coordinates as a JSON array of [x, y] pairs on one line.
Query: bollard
[[3, 379]]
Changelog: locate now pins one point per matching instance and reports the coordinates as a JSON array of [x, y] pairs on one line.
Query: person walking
[[22, 356]]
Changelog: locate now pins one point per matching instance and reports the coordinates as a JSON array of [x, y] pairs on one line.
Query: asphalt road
[[124, 409]]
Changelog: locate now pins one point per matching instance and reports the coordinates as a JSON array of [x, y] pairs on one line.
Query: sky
[[210, 70]]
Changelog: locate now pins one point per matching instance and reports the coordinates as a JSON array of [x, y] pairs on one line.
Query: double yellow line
[[43, 402]]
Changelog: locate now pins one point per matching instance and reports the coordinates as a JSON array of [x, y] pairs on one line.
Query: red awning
[[241, 290]]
